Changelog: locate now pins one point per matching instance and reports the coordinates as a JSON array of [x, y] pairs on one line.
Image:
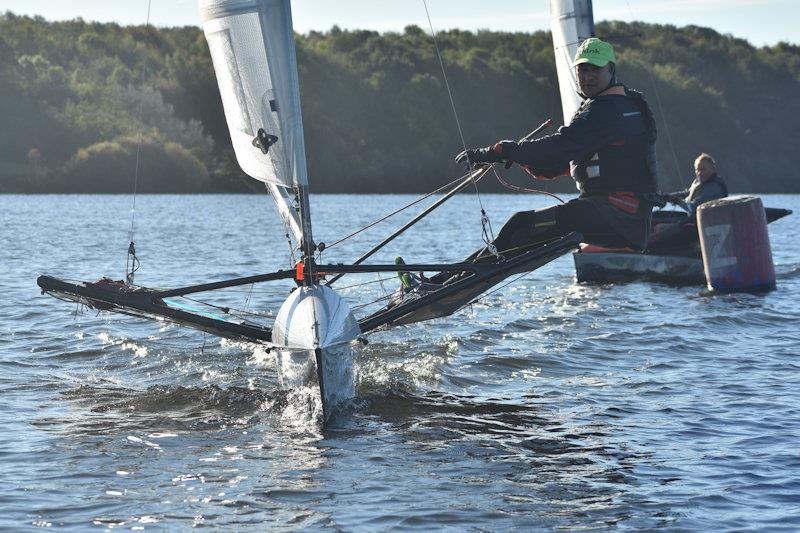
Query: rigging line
[[132, 262], [287, 231], [379, 280], [247, 299], [401, 209], [359, 307], [663, 116], [383, 287], [500, 287], [471, 178], [232, 311], [484, 217], [524, 189], [444, 75]]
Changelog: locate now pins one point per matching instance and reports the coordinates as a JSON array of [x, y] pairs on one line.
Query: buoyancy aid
[[697, 188], [626, 161]]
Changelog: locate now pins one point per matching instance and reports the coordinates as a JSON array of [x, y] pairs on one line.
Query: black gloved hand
[[475, 156]]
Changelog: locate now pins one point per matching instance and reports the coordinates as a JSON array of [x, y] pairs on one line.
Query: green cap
[[593, 50]]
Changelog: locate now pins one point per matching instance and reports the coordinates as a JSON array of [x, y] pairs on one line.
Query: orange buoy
[[735, 244]]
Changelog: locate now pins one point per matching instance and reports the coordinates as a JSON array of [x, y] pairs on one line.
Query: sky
[[762, 22]]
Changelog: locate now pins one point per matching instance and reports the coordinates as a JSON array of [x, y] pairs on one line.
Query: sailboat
[[252, 48], [673, 261], [676, 260]]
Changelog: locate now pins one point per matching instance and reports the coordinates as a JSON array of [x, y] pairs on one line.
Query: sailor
[[707, 186], [608, 147]]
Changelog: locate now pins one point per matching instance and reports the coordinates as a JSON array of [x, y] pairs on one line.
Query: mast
[[307, 242], [571, 23]]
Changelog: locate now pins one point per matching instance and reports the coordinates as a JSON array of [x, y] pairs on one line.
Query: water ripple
[[547, 405]]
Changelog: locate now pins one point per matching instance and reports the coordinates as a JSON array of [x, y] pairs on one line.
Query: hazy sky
[[759, 21]]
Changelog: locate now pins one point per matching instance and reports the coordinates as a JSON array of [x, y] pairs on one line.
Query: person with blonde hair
[[707, 186]]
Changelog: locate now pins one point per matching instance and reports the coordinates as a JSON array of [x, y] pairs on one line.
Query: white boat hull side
[[339, 382], [313, 336], [613, 266]]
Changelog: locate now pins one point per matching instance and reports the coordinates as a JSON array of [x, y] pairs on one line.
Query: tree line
[[83, 103]]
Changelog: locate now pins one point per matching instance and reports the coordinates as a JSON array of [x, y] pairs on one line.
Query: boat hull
[[609, 266], [680, 262], [313, 335]]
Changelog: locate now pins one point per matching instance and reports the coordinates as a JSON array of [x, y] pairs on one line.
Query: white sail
[[252, 47], [571, 22]]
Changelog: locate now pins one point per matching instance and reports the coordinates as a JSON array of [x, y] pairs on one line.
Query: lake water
[[548, 404]]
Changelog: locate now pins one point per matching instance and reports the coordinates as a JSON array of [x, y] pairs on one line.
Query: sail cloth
[[252, 47], [571, 22]]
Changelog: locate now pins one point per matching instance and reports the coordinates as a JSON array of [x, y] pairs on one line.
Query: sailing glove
[[490, 154]]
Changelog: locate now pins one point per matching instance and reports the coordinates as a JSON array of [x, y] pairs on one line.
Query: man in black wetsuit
[[707, 186], [609, 149]]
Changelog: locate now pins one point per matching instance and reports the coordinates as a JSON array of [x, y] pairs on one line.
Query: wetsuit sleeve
[[596, 126]]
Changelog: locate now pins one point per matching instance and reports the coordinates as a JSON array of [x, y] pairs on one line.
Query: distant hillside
[[376, 113]]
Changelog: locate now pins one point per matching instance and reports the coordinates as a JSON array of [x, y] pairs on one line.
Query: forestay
[[571, 23]]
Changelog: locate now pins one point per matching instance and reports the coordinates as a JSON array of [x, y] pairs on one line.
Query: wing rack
[[118, 297], [461, 291], [448, 293]]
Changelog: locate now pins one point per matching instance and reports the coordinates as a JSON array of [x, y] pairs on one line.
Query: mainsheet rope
[[517, 188], [132, 262], [488, 235], [399, 210]]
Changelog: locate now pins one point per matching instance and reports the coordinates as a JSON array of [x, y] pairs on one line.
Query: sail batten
[[571, 22]]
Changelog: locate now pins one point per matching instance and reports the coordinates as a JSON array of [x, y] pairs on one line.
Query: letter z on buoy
[[735, 244]]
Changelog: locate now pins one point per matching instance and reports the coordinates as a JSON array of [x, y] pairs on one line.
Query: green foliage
[[382, 119], [109, 167], [74, 90], [377, 115]]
